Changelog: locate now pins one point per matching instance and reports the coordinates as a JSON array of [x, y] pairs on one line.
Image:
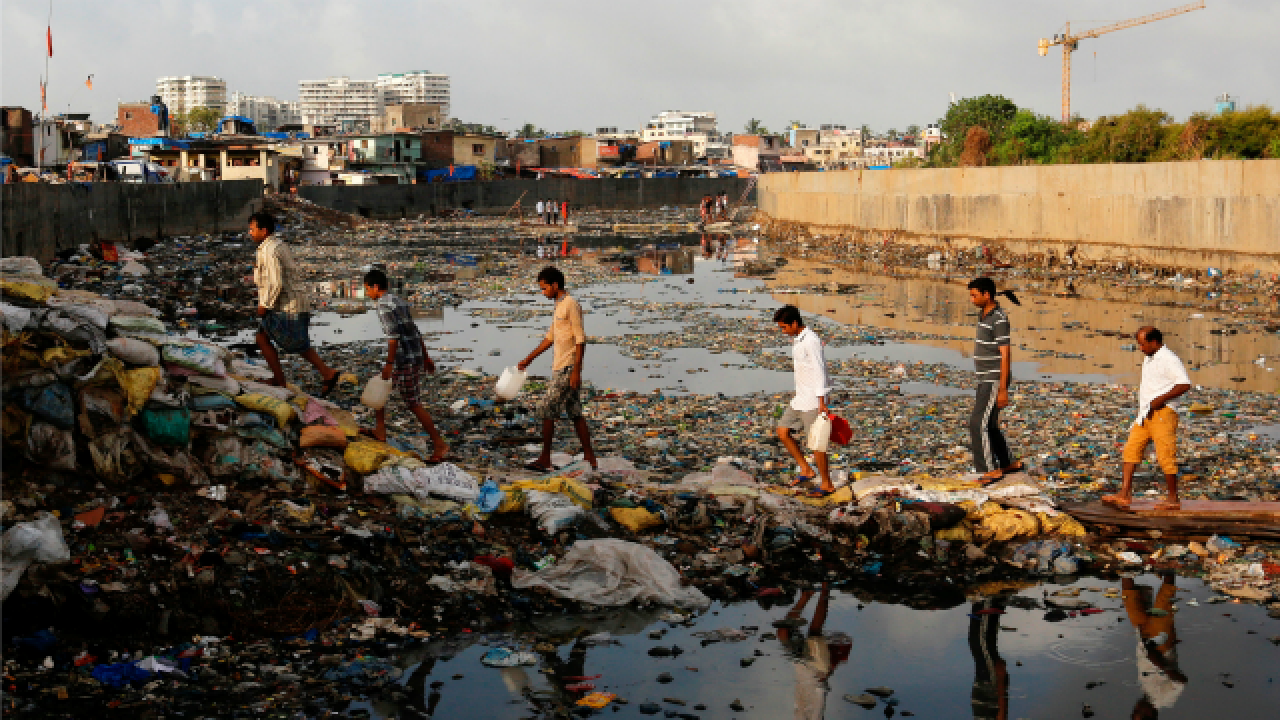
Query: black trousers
[[990, 451]]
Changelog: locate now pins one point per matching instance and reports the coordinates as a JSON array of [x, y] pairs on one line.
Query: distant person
[[564, 212], [705, 209], [570, 342], [539, 207], [1164, 379], [724, 206], [817, 655], [993, 363], [813, 385], [1157, 655], [407, 357], [284, 305], [546, 218]]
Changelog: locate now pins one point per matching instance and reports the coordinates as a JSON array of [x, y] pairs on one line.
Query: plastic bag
[[227, 385], [612, 572], [85, 313], [490, 498], [133, 308], [134, 352], [323, 436], [113, 459], [130, 324], [580, 494], [101, 411], [635, 519], [552, 511], [15, 318], [367, 456], [282, 411], [38, 540], [51, 447], [32, 292], [223, 456], [841, 432], [200, 358], [820, 434], [20, 265], [52, 403], [1007, 525], [449, 481], [168, 426], [376, 393]]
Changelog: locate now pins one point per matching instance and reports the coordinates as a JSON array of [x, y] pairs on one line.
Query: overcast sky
[[578, 64]]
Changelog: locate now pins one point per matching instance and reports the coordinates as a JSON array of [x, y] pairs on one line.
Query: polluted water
[[184, 539]]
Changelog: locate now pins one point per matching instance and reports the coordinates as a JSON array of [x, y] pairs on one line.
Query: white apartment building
[[181, 94], [699, 127], [419, 86], [349, 104], [887, 153], [266, 112]]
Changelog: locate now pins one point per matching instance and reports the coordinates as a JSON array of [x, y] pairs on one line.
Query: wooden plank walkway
[[1259, 520]]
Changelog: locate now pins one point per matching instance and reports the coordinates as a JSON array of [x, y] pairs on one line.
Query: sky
[[577, 64]]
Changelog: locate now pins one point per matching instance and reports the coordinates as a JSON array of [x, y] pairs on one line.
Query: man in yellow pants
[[1163, 380]]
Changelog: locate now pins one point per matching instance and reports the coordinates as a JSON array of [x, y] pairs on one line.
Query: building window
[[477, 149], [128, 115]]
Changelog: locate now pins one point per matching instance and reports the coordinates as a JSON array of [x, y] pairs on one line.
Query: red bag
[[841, 433]]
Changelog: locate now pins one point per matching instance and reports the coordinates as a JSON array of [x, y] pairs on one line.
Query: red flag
[[43, 103], [49, 37], [89, 82]]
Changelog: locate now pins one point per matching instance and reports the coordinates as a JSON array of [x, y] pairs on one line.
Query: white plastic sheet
[[39, 540], [612, 572]]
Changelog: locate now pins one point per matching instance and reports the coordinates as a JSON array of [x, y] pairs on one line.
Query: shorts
[[289, 332], [405, 380], [1161, 428], [798, 420], [560, 397]]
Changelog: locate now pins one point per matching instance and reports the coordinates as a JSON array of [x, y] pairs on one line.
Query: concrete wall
[[40, 219], [621, 193], [1223, 213]]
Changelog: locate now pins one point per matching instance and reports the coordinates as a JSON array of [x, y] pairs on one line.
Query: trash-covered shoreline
[[180, 535]]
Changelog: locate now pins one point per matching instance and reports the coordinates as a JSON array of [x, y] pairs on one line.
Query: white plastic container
[[376, 393], [510, 384], [820, 434]]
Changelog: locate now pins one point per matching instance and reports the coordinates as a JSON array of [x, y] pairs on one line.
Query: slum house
[[762, 153], [447, 148], [16, 137], [664, 261], [568, 152], [390, 158], [665, 153], [142, 119], [403, 117], [322, 159], [518, 156], [615, 148], [104, 146], [195, 159]]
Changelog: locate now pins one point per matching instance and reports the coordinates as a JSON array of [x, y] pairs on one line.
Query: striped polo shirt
[[992, 333]]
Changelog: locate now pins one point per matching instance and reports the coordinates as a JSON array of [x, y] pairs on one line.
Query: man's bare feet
[[439, 454], [1120, 501]]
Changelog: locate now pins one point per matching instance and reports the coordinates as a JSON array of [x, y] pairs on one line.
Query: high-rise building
[[419, 86], [181, 94], [266, 112], [348, 104]]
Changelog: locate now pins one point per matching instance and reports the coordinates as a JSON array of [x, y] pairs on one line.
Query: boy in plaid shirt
[[406, 358]]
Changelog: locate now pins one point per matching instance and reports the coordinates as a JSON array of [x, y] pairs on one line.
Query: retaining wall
[[393, 201], [40, 219], [1210, 213]]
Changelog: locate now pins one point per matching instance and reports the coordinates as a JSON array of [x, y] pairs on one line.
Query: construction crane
[[1070, 42]]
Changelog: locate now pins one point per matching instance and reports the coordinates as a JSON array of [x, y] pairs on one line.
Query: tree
[[529, 130], [913, 131], [892, 133], [977, 144], [1032, 138], [755, 127], [197, 119], [866, 132], [795, 124], [1140, 135], [991, 112]]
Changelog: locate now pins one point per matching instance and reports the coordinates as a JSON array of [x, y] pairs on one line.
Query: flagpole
[[44, 89]]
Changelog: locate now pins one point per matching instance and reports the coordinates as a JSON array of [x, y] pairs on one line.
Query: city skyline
[[815, 61]]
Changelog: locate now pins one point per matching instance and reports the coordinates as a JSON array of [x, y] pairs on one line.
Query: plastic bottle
[[510, 383], [820, 434]]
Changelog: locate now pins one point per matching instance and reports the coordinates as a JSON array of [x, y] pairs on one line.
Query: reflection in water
[[990, 696], [817, 655], [1157, 654]]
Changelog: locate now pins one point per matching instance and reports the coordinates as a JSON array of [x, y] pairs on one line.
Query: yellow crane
[[1069, 43]]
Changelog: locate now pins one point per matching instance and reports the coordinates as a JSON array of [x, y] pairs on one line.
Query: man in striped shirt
[[992, 362]]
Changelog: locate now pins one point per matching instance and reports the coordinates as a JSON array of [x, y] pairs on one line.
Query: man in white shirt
[[540, 210], [812, 387], [1163, 379]]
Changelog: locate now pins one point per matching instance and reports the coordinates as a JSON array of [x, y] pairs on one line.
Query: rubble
[[231, 546]]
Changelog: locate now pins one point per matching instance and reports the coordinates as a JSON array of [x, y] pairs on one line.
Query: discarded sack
[[134, 352], [200, 358], [635, 519], [323, 436], [612, 572], [282, 411], [39, 540]]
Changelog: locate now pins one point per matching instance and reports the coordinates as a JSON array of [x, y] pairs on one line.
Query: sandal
[[800, 479], [1117, 501], [534, 466], [330, 384], [819, 494], [1016, 466], [991, 478]]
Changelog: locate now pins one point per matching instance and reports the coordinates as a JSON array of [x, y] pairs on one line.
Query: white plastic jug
[[510, 384], [376, 393], [820, 434]]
